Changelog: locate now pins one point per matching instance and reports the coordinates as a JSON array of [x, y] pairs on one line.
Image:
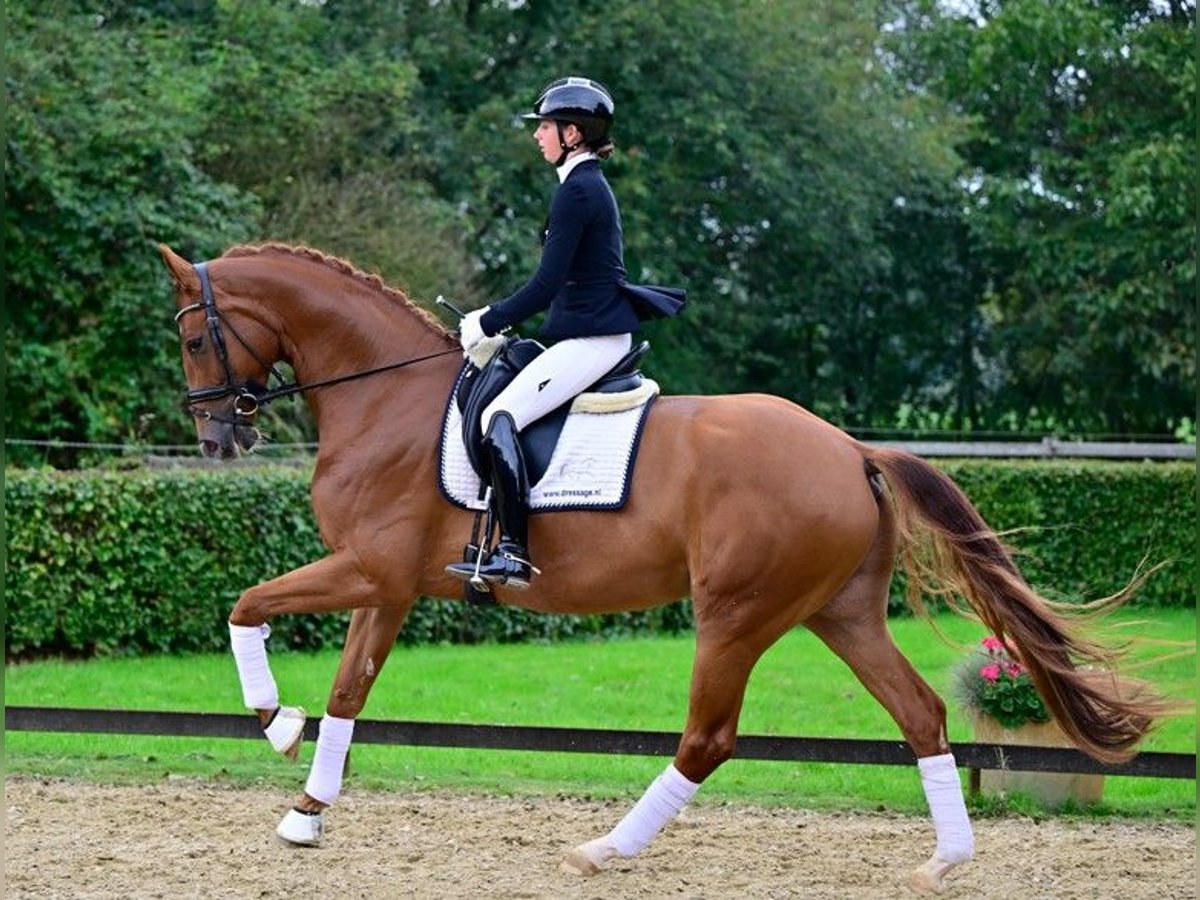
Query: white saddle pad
[[591, 465]]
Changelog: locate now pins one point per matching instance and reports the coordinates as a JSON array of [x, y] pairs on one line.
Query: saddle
[[479, 387]]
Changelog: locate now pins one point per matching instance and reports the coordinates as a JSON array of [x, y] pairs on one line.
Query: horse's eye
[[194, 345]]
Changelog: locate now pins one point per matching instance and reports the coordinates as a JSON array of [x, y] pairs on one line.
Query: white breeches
[[556, 376]]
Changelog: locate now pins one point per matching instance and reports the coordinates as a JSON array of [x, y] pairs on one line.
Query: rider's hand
[[470, 331]]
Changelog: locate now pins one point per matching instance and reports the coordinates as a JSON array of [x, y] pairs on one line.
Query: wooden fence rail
[[591, 740], [1046, 448]]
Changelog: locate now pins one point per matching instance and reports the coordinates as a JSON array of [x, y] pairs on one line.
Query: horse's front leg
[[370, 639], [333, 583]]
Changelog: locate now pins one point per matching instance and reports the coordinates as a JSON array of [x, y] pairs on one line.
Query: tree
[[1079, 197], [761, 149], [128, 125], [906, 213], [99, 165]]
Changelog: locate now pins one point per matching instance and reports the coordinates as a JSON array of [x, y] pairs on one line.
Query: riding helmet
[[580, 101]]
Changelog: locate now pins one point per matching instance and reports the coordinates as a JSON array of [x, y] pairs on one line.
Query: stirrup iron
[[512, 557]]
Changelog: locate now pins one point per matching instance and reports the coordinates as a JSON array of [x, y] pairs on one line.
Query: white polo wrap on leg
[[943, 790], [249, 645], [661, 803], [329, 760]]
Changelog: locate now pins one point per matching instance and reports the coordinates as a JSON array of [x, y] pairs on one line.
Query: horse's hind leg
[[719, 675], [854, 626], [371, 636]]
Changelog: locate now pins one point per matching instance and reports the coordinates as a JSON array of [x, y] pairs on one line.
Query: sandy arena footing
[[190, 839]]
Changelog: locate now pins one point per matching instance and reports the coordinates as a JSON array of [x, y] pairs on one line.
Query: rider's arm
[[569, 215]]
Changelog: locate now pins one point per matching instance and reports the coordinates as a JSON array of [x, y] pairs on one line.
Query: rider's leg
[[556, 376], [548, 382], [509, 564]]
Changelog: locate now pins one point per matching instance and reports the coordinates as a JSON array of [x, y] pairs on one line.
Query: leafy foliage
[[1085, 529], [99, 164], [957, 215], [1080, 203], [105, 562]]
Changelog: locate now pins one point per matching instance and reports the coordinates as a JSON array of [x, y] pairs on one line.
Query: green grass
[[799, 688]]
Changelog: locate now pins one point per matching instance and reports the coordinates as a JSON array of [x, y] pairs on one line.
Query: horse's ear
[[182, 271]]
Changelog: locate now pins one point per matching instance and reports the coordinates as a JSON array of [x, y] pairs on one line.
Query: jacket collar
[[569, 166]]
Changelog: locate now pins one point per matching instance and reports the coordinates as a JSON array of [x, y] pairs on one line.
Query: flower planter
[[1050, 788]]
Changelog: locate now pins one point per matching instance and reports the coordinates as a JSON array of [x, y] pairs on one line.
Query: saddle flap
[[479, 387]]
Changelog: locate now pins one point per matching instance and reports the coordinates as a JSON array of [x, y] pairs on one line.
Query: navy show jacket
[[582, 270]]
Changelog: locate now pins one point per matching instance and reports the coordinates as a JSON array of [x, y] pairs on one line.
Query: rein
[[249, 396]]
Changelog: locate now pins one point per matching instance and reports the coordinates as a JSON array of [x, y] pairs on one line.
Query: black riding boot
[[509, 563]]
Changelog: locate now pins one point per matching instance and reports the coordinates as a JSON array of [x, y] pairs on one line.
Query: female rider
[[592, 312]]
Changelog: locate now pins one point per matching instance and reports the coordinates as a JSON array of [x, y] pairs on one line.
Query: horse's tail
[[948, 549]]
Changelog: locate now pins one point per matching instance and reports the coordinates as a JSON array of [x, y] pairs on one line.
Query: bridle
[[250, 396]]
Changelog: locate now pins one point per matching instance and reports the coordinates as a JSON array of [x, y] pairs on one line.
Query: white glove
[[470, 331]]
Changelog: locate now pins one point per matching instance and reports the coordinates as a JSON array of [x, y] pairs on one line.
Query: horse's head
[[226, 372]]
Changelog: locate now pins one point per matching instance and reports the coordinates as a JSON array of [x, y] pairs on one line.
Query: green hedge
[[104, 562]]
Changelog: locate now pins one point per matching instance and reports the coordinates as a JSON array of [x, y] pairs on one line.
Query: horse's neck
[[335, 325]]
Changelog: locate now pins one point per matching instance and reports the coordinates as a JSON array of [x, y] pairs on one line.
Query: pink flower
[[990, 672], [991, 644], [1015, 670]]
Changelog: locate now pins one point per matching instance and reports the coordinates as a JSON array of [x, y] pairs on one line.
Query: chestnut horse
[[766, 516]]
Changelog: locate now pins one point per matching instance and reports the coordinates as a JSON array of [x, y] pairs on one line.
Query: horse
[[766, 516]]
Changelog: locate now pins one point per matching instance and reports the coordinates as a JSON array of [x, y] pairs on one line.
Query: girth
[[477, 388]]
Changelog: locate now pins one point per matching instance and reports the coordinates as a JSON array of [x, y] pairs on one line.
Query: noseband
[[250, 396]]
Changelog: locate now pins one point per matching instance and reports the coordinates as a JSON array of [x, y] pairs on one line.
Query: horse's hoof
[[589, 859], [930, 878], [285, 731], [301, 828]]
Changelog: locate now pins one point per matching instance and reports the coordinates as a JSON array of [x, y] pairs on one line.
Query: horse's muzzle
[[222, 440]]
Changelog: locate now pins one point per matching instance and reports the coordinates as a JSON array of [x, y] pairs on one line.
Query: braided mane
[[345, 268]]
